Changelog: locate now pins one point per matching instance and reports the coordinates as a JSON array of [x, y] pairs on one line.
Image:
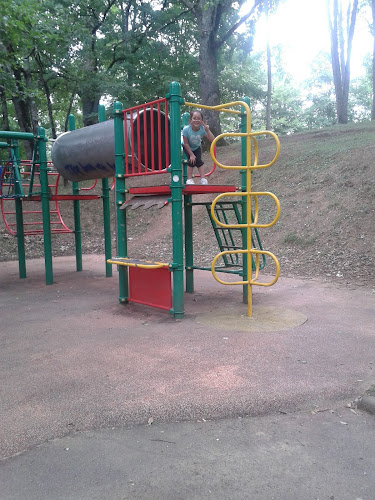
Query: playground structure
[[146, 140], [35, 185]]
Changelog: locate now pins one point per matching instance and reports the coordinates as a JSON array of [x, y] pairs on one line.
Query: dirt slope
[[324, 181]]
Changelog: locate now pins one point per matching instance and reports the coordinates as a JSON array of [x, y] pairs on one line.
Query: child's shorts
[[198, 156]]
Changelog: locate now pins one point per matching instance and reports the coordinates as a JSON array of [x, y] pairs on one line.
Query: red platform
[[64, 197]]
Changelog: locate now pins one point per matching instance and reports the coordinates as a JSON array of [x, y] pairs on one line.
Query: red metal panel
[[189, 189], [211, 188], [151, 287], [150, 190]]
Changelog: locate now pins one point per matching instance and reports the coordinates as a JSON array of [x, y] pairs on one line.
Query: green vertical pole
[[122, 244], [176, 189], [19, 210], [45, 205], [243, 199], [106, 212], [188, 214], [15, 156], [20, 238], [185, 121], [77, 212], [189, 251]]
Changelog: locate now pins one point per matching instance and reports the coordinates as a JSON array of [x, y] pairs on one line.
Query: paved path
[[234, 408]]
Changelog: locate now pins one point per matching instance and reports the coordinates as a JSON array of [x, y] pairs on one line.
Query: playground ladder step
[[231, 238], [145, 264]]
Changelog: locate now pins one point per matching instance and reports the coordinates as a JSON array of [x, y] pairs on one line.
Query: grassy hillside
[[326, 186]]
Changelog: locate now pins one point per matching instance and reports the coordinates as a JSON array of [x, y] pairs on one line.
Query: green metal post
[[15, 158], [106, 212], [188, 214], [243, 199], [185, 121], [20, 239], [77, 212], [45, 205], [122, 243], [176, 189], [19, 210], [189, 251]]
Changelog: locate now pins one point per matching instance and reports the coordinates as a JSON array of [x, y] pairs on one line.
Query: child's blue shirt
[[194, 138]]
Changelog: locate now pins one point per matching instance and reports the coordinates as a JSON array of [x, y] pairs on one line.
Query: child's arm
[[210, 135]]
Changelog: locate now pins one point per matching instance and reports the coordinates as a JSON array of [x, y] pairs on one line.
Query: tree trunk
[[22, 111], [50, 110], [4, 109], [29, 100], [69, 110], [209, 86], [208, 53], [89, 91], [47, 92], [90, 107], [341, 48], [21, 102], [269, 76], [373, 60]]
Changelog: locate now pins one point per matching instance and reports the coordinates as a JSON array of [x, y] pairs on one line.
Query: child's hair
[[196, 111]]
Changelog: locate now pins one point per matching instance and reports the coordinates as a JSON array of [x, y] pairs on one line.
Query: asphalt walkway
[[102, 400]]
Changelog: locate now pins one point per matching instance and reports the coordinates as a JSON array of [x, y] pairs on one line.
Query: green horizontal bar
[[6, 134], [219, 270], [4, 145]]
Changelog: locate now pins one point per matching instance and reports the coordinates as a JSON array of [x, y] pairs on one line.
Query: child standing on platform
[[192, 135]]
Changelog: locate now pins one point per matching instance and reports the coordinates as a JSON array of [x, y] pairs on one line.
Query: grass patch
[[301, 241]]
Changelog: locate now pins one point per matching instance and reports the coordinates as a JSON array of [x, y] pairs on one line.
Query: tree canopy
[[58, 57]]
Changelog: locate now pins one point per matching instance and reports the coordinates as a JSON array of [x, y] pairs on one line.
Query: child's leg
[[189, 172], [201, 171], [203, 178]]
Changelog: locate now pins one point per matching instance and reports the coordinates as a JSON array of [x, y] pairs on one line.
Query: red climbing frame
[[147, 148], [33, 223]]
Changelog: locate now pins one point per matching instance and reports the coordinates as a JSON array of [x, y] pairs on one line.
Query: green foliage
[[320, 108], [65, 56]]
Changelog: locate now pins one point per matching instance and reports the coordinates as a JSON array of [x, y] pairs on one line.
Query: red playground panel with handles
[[151, 287]]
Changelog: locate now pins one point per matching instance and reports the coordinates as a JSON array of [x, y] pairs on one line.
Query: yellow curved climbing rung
[[256, 209], [251, 136], [251, 281], [219, 107]]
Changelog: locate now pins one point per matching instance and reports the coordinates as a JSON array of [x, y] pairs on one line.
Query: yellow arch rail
[[144, 264], [253, 280], [249, 195]]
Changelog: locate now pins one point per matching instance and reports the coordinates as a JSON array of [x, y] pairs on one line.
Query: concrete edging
[[367, 403]]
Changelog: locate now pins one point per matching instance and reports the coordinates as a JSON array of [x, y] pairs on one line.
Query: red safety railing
[[32, 218], [147, 138]]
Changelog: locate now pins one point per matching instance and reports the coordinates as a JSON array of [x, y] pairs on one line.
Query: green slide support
[[122, 247], [77, 212], [18, 208], [106, 211], [176, 189], [45, 205], [188, 213]]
